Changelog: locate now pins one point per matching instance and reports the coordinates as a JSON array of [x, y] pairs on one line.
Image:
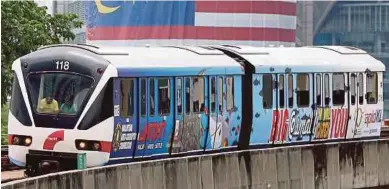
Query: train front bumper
[[42, 162]]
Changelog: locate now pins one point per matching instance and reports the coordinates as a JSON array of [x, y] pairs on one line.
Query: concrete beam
[[353, 164]]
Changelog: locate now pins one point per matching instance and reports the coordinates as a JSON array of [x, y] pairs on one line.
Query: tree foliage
[[26, 27], [4, 123]]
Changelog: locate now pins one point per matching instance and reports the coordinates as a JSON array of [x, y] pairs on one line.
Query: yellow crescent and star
[[106, 9]]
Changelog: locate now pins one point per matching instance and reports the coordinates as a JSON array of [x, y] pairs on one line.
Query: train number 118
[[62, 65]]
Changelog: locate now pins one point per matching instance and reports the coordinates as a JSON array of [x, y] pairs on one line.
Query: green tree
[[26, 27], [4, 121]]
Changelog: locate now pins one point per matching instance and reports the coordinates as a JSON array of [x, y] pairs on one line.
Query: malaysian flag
[[257, 23]]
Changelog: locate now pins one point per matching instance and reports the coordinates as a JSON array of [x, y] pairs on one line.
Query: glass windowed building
[[362, 24], [73, 7]]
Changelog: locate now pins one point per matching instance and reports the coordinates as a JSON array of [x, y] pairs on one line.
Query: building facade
[[362, 24], [73, 7]]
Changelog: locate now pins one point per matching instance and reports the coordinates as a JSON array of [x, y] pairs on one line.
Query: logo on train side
[[299, 125], [53, 139], [374, 117], [123, 137], [322, 123], [153, 133], [116, 137], [339, 119], [280, 126], [358, 117]]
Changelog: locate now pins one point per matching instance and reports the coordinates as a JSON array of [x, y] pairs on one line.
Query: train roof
[[212, 60], [307, 59], [168, 60]]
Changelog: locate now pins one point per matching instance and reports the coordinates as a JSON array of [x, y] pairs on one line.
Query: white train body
[[97, 94]]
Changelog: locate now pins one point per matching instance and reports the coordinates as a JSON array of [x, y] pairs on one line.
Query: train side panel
[[339, 106], [372, 118], [125, 118], [263, 102], [301, 115], [225, 112], [192, 121]]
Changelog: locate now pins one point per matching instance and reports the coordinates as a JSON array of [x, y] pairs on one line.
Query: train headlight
[[92, 145], [82, 145], [20, 140], [27, 141]]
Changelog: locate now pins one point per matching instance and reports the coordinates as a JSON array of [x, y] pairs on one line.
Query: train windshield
[[58, 93]]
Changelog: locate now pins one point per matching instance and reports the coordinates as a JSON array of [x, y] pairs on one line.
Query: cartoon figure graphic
[[219, 132]]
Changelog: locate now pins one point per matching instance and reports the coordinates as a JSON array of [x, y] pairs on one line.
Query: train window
[[131, 101], [360, 91], [352, 89], [290, 90], [303, 90], [143, 96], [220, 94], [318, 90], [198, 94], [179, 96], [62, 93], [127, 98], [213, 94], [151, 93], [187, 95], [267, 91], [327, 90], [230, 93], [372, 88], [101, 108], [18, 107], [163, 96], [281, 91], [338, 89]]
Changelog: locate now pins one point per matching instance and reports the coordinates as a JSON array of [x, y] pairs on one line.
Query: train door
[[373, 104], [218, 128], [233, 111], [353, 127], [160, 117], [213, 114], [301, 116], [322, 114], [142, 116], [157, 124], [189, 130], [264, 92], [280, 115], [201, 106], [197, 120], [339, 104], [220, 135], [179, 109], [125, 118]]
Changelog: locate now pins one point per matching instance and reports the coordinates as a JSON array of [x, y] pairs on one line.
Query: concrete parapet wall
[[334, 165]]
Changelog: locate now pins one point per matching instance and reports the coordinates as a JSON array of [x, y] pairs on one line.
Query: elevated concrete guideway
[[333, 165]]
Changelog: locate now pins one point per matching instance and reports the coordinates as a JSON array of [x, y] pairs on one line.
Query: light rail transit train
[[124, 104]]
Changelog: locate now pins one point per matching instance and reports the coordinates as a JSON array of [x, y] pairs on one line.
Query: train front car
[[61, 105]]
